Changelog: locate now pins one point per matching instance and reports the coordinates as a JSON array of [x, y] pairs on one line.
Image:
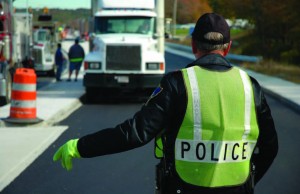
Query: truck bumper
[[122, 81], [47, 67]]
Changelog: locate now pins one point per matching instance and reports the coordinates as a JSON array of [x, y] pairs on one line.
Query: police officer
[[213, 127]]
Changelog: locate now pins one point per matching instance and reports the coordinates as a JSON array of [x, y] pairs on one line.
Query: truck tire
[[8, 85], [90, 95], [51, 73]]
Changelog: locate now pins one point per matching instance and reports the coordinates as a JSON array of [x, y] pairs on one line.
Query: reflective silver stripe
[[248, 99], [213, 151], [23, 103], [196, 103], [24, 87]]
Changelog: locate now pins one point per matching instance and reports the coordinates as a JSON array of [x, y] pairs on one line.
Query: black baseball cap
[[211, 22]]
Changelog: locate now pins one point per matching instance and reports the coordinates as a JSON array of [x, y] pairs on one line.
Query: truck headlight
[[152, 66], [93, 65], [155, 66]]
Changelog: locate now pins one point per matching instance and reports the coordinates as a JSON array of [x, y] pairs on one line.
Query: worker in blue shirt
[[59, 61]]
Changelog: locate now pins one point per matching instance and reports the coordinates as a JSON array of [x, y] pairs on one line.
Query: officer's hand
[[66, 153]]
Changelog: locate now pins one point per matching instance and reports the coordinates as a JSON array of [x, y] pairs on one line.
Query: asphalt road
[[132, 172]]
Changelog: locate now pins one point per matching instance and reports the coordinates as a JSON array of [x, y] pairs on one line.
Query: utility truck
[[43, 52], [15, 46], [126, 43], [45, 38]]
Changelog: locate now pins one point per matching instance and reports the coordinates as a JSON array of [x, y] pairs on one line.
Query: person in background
[[76, 56], [213, 127], [59, 61]]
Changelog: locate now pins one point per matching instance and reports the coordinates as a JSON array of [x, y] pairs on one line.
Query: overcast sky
[[63, 4]]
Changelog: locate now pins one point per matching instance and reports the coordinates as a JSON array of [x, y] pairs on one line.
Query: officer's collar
[[211, 60]]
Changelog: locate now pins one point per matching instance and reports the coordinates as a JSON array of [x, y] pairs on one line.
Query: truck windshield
[[43, 36], [136, 25]]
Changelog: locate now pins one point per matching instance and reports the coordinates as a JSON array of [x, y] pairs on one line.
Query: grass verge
[[268, 67]]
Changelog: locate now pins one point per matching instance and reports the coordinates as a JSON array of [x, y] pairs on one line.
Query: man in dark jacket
[[59, 60], [76, 56], [213, 121]]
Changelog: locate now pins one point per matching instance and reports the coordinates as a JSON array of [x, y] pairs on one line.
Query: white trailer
[[23, 36], [126, 48]]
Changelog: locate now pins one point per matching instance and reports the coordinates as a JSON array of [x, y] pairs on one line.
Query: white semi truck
[[127, 53], [45, 38], [42, 51]]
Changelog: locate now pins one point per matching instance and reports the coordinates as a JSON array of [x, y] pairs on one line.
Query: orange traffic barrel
[[23, 97]]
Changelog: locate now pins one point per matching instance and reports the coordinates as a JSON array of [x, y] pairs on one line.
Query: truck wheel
[[8, 85], [90, 94], [51, 73]]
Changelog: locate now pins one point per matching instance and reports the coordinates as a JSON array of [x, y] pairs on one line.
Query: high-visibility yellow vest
[[159, 152], [76, 59], [217, 137], [219, 132]]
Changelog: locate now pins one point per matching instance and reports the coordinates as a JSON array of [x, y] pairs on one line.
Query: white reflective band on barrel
[[196, 103], [23, 103], [24, 87], [213, 151], [247, 91]]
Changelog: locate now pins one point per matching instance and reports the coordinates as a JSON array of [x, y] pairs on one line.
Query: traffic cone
[[23, 98]]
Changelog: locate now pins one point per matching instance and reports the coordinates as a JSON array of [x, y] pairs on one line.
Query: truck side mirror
[[155, 36], [92, 35]]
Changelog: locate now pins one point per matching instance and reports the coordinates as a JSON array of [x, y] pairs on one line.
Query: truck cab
[[124, 49], [42, 51], [45, 40]]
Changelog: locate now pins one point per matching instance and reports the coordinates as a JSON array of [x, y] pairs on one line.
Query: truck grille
[[37, 55], [123, 57]]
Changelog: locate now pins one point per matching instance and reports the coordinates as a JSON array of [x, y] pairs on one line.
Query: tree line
[[276, 32]]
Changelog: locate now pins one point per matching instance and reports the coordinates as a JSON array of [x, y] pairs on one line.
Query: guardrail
[[230, 57]]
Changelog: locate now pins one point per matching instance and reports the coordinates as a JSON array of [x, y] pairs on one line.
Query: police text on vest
[[213, 151]]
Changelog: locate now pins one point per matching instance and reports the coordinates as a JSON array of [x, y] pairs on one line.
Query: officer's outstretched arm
[[66, 153]]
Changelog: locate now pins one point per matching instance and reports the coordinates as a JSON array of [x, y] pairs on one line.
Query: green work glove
[[66, 153]]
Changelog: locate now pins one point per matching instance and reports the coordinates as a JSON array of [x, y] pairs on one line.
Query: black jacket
[[76, 51], [164, 113]]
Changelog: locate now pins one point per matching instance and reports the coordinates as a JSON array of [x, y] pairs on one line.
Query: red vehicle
[[15, 46]]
